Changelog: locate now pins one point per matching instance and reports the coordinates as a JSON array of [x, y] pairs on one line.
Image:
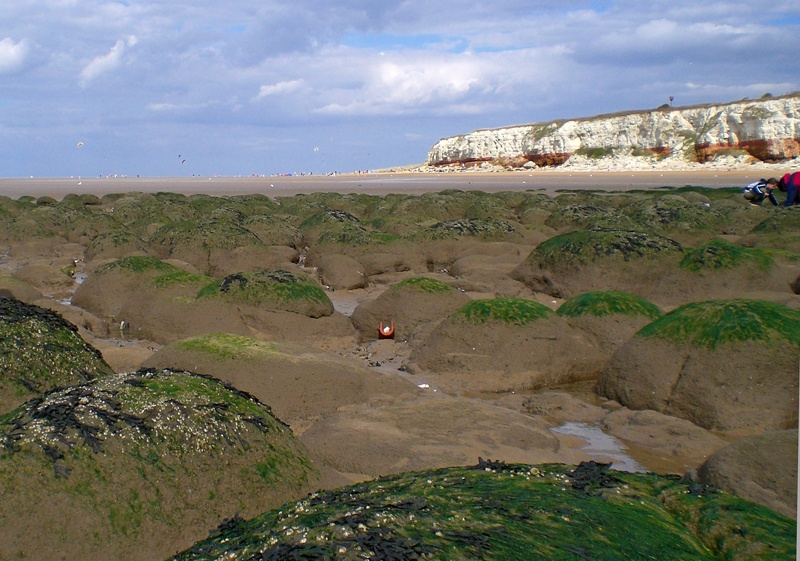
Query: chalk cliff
[[767, 129]]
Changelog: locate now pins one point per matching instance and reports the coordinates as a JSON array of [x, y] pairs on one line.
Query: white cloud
[[104, 63], [279, 88], [12, 55], [294, 68]]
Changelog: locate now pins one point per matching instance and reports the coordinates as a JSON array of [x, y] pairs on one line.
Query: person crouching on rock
[[757, 191], [790, 184]]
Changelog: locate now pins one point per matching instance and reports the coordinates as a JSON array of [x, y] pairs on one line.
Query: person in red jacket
[[790, 184]]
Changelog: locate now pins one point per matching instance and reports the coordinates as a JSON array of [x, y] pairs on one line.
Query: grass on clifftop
[[608, 302], [504, 512], [717, 322], [718, 254], [516, 311]]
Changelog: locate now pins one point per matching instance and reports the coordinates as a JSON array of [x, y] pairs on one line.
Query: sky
[[193, 87]]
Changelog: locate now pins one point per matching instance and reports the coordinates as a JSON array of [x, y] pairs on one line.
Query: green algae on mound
[[258, 287], [509, 512], [608, 302], [584, 246], [40, 350], [423, 284], [483, 228], [716, 322], [138, 264], [516, 311], [718, 254], [166, 438], [181, 277], [225, 346]]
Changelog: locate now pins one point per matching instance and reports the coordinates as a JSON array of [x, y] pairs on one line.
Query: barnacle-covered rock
[[131, 466], [40, 351]]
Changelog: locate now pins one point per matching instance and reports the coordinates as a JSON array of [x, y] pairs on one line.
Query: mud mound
[[11, 287], [301, 385], [108, 288], [601, 303], [445, 205], [510, 511], [610, 317], [505, 344], [338, 227], [487, 229], [583, 217], [719, 254], [272, 230], [762, 469], [726, 365], [586, 260], [132, 466], [40, 351], [341, 272], [426, 433], [674, 216], [203, 243], [116, 245], [409, 303], [273, 291]]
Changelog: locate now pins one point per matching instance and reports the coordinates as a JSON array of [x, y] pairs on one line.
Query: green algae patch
[[718, 254], [423, 284], [132, 454], [341, 227], [515, 311], [483, 228], [608, 302], [719, 322], [225, 346], [498, 511], [589, 216], [673, 213], [181, 278], [139, 264], [39, 351], [277, 289], [585, 246]]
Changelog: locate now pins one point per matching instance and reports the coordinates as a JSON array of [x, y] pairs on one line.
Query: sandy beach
[[545, 181]]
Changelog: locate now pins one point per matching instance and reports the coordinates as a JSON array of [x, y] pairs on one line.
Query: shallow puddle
[[601, 445]]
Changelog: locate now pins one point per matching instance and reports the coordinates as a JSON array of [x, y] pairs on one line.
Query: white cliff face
[[768, 129]]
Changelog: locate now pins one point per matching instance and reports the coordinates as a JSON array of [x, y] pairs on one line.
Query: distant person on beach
[[790, 184], [757, 191]]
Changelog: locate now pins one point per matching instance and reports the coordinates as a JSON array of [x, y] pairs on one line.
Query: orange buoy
[[385, 331]]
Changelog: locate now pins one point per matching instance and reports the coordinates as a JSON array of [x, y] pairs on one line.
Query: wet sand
[[549, 182]]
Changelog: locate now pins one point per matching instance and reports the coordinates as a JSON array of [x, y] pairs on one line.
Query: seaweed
[[423, 284], [608, 302], [516, 311], [511, 512], [724, 322], [718, 254]]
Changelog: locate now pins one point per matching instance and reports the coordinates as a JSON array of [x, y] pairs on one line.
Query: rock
[[762, 469], [663, 435], [341, 272], [410, 303], [728, 365], [560, 407], [505, 344]]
